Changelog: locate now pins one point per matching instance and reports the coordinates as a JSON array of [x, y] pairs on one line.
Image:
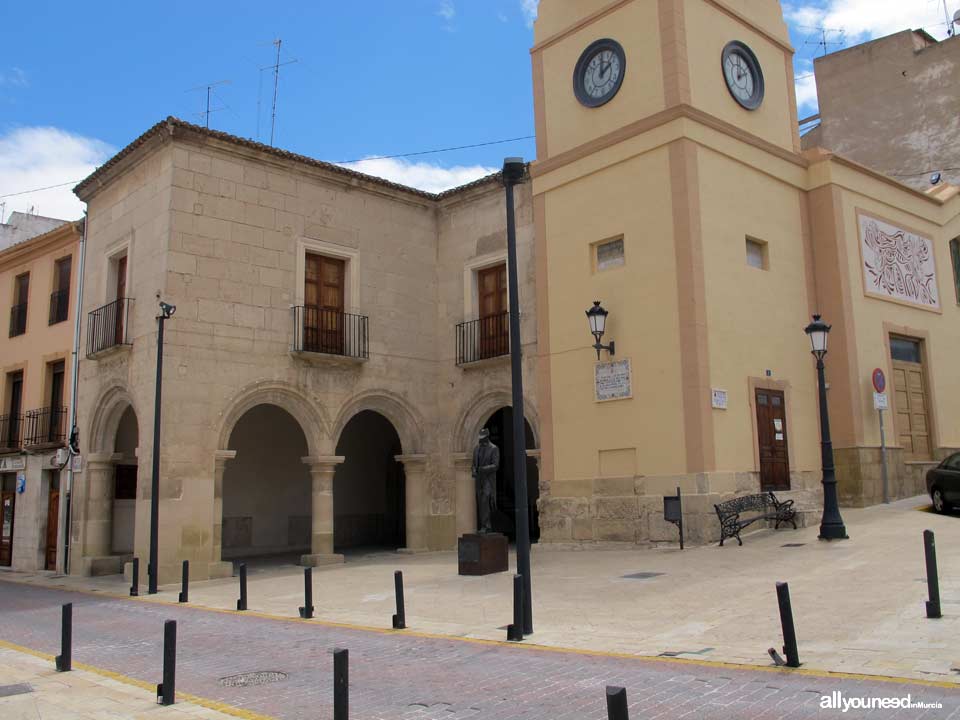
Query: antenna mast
[[276, 83], [823, 42], [946, 16], [209, 88]]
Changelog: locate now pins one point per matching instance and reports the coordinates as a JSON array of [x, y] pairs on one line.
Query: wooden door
[[494, 322], [53, 519], [323, 321], [119, 306], [772, 440], [910, 404], [16, 408], [7, 505]]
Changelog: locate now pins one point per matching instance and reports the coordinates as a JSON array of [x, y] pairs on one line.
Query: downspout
[[73, 442]]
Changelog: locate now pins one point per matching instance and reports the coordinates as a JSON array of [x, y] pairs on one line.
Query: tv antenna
[[209, 88], [823, 42], [276, 83], [946, 16]]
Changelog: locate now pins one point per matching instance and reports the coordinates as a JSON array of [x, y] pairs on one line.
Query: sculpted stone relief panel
[[898, 264]]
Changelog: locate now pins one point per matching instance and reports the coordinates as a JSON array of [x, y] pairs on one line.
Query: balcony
[[59, 306], [108, 327], [11, 437], [18, 320], [330, 332], [45, 427], [483, 339]]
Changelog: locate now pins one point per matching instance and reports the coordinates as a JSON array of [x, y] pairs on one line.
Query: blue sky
[[80, 80]]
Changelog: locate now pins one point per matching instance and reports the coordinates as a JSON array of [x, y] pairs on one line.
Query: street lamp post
[[831, 524], [166, 312], [514, 171]]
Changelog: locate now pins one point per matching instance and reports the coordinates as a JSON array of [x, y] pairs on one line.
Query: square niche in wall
[[608, 254], [757, 256]]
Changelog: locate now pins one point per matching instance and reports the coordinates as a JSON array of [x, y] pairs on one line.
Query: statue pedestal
[[482, 553]]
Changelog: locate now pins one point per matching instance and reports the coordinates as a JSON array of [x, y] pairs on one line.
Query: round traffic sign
[[879, 380]]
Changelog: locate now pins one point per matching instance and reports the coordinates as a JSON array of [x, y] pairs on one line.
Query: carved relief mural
[[897, 264]]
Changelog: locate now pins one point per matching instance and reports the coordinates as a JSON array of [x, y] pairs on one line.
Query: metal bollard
[[515, 630], [400, 619], [617, 703], [185, 582], [933, 581], [166, 691], [306, 612], [341, 684], [242, 602], [786, 622], [64, 661], [135, 578]]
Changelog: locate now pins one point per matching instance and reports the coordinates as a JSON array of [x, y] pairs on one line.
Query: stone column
[[417, 501], [466, 494], [217, 567], [98, 475], [322, 469]]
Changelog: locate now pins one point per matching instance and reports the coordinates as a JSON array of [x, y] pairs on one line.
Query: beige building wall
[[33, 353]]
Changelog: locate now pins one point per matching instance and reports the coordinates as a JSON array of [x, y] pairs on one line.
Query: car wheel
[[939, 503]]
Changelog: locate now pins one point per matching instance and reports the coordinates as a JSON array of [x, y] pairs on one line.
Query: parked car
[[943, 484]]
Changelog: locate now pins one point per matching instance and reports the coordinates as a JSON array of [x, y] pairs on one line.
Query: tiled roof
[[171, 124]]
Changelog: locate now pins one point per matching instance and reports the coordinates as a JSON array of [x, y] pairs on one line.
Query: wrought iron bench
[[765, 504]]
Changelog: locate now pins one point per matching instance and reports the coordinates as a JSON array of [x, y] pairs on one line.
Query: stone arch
[[478, 410], [402, 416], [310, 417], [107, 414]]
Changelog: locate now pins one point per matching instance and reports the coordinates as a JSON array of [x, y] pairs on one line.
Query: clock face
[[742, 73], [599, 73]]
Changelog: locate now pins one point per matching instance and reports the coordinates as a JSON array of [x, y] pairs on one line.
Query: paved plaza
[[859, 608]]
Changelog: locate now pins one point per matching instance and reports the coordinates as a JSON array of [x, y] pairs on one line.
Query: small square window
[[609, 254], [757, 254]]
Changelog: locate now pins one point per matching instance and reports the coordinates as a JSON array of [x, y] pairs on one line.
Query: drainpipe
[[74, 373]]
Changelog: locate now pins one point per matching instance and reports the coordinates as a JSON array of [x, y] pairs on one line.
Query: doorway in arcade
[[500, 426]]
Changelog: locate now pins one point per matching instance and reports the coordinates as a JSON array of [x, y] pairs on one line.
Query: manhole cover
[[642, 575], [262, 677], [20, 689]]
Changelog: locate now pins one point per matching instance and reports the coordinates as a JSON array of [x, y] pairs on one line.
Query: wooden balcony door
[[494, 323], [323, 323], [772, 440], [121, 294]]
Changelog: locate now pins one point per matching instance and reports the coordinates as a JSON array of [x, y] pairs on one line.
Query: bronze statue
[[486, 460]]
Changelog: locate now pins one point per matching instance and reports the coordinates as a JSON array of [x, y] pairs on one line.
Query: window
[[60, 297], [18, 313], [757, 254], [905, 350], [609, 254], [952, 462], [10, 425], [955, 258]]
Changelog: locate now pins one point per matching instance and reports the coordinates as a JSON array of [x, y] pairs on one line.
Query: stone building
[[338, 343], [38, 277], [892, 104], [339, 340]]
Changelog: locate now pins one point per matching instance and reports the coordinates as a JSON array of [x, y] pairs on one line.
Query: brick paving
[[396, 676]]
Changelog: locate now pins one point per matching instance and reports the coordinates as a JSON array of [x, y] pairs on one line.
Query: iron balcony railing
[[59, 306], [331, 332], [18, 319], [11, 433], [108, 326], [45, 426], [482, 339]]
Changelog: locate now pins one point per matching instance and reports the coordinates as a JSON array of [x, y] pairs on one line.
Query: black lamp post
[[597, 317], [514, 172], [166, 312], [831, 524]]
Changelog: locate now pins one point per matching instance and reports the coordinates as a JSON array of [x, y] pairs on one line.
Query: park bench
[[764, 504]]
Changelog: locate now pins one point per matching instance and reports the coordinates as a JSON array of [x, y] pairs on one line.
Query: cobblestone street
[[403, 675]]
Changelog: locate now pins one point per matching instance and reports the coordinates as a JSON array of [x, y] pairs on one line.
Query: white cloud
[[862, 20], [529, 8], [447, 10], [14, 77], [36, 157], [421, 175]]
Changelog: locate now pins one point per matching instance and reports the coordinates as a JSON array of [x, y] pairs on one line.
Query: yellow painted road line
[[143, 685], [808, 672]]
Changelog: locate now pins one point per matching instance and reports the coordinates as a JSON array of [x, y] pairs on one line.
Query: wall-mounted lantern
[[597, 317]]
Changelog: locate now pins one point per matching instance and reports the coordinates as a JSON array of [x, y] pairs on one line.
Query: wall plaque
[[898, 264], [612, 380], [9, 464]]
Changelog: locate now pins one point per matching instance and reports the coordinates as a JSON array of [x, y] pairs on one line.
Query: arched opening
[[125, 443], [368, 488], [500, 426], [267, 490]]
